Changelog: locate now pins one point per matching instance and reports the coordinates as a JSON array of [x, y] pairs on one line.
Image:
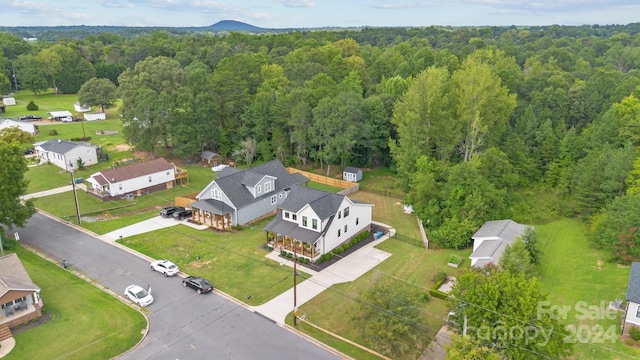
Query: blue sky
[[318, 13]]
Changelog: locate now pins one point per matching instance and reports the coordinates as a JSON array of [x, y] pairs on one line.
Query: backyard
[[577, 276], [114, 327]]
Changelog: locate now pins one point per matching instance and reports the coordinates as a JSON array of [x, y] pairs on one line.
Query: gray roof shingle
[[231, 181], [325, 204], [61, 146], [633, 289]]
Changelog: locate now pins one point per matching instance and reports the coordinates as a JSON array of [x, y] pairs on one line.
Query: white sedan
[[138, 295], [165, 267]]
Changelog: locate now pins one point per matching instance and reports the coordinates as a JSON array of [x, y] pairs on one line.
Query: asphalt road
[[183, 324]]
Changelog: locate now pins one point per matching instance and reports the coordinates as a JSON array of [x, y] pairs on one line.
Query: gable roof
[[351, 169], [633, 289], [24, 126], [232, 182], [13, 276], [495, 236], [132, 171], [324, 204], [507, 230], [62, 146]]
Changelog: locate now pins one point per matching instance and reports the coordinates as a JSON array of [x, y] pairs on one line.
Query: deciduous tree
[[13, 211]]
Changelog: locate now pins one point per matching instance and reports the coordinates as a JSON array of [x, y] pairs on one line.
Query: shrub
[[439, 294], [53, 132], [8, 243], [440, 277], [31, 106], [634, 332], [455, 259]]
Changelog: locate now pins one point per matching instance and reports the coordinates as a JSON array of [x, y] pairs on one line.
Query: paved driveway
[[183, 324]]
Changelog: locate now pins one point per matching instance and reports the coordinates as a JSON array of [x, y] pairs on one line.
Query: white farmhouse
[[65, 154], [313, 222]]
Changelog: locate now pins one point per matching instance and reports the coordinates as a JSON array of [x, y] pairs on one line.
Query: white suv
[[66, 119]]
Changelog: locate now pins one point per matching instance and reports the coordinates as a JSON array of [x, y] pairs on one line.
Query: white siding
[[632, 312], [86, 153], [142, 182], [362, 212], [310, 215]]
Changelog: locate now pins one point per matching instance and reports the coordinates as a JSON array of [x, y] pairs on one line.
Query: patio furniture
[[9, 310], [21, 306]]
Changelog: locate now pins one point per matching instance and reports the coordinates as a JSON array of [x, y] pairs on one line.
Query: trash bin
[[78, 180], [378, 234], [64, 263]]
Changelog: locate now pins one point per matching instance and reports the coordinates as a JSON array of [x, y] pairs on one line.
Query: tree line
[[479, 123]]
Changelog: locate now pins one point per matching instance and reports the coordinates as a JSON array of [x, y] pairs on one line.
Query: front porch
[[213, 220], [293, 246], [14, 315]]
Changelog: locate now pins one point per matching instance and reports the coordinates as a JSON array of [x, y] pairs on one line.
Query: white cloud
[[297, 3]]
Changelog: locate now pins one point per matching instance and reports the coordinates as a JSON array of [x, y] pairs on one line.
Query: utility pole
[[75, 195], [295, 274]]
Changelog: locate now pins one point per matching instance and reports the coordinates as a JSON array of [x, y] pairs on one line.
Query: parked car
[[30, 118], [169, 210], [138, 295], [198, 284], [66, 119], [29, 151], [182, 214], [165, 267]]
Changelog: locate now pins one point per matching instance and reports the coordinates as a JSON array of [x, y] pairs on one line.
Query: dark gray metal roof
[[325, 204], [351, 169], [61, 146], [231, 182], [291, 229], [633, 289]]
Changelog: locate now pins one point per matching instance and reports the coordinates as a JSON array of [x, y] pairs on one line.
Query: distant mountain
[[236, 26]]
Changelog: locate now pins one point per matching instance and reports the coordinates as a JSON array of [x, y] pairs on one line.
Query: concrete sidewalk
[[347, 269]]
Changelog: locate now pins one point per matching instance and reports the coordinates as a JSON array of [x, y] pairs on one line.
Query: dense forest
[[478, 123]]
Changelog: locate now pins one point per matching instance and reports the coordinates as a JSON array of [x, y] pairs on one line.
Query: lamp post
[[75, 195]]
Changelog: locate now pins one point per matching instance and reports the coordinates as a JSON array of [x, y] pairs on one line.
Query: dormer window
[[259, 189], [267, 186], [286, 215]]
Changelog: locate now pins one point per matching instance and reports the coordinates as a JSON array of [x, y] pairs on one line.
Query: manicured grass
[[324, 187], [102, 327], [47, 101], [234, 262], [73, 130], [115, 214], [336, 308], [45, 177], [577, 276], [389, 211]]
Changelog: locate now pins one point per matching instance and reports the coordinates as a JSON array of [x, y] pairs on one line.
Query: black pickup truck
[[30, 118]]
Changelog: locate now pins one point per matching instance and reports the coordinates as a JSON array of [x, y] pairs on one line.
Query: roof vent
[[113, 179]]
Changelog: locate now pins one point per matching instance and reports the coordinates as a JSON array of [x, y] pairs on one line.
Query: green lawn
[[336, 308], [103, 327], [115, 214], [577, 276], [46, 102], [234, 262]]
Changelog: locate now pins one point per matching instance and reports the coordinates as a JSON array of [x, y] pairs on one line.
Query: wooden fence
[[321, 179]]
